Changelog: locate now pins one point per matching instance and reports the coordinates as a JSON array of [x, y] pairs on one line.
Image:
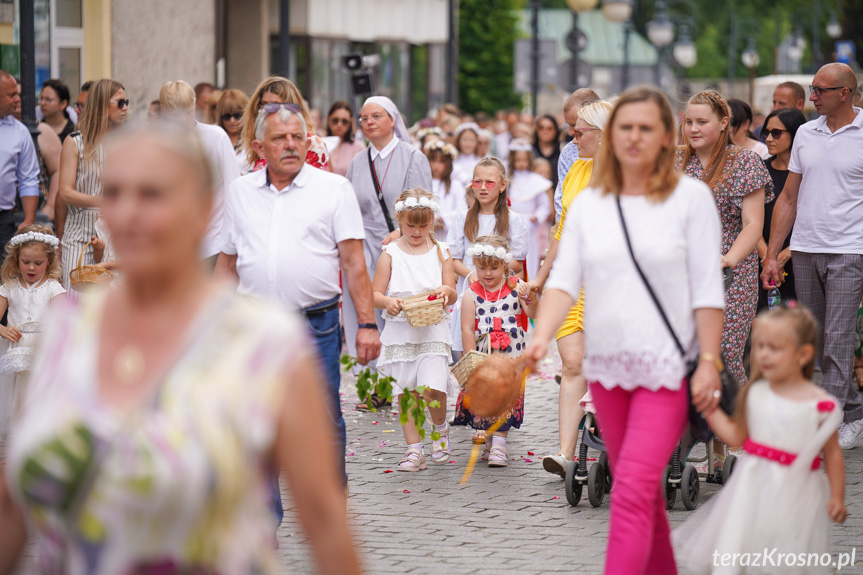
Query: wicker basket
[[421, 311], [464, 367], [84, 276]]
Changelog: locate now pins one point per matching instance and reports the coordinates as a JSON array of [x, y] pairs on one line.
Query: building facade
[[235, 44]]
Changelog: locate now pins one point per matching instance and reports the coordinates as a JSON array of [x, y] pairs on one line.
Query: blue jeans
[[326, 331]]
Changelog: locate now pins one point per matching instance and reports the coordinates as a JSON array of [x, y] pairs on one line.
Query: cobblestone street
[[514, 519]]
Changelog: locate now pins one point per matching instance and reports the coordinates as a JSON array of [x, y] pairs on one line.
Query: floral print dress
[[499, 315], [743, 174], [177, 485]]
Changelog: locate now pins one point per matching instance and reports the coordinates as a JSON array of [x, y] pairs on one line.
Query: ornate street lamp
[[684, 50], [576, 41], [751, 59], [617, 10], [660, 30], [834, 28]]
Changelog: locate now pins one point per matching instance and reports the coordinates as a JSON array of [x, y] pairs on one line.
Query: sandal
[[414, 460], [376, 401], [440, 449], [498, 457], [486, 448]]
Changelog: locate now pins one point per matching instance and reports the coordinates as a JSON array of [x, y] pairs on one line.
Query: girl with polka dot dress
[[493, 308]]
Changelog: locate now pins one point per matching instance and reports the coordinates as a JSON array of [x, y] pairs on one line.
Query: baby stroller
[[680, 473], [598, 477]]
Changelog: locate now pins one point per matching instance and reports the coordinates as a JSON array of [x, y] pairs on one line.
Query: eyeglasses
[[342, 121], [376, 117], [478, 184], [818, 90], [775, 133], [274, 107], [124, 103], [79, 106], [580, 133], [237, 117]]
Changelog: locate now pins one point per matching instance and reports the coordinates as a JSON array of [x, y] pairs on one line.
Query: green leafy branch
[[411, 405]]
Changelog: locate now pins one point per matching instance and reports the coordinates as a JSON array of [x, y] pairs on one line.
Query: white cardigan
[[677, 243]]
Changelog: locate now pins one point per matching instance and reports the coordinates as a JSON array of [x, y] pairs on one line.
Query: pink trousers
[[640, 429]]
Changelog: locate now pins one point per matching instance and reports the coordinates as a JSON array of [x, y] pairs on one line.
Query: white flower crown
[[488, 250], [447, 149], [415, 204], [35, 237], [520, 145]]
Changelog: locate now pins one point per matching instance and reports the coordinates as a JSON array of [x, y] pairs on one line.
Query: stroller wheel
[[690, 488], [603, 460], [668, 489], [596, 484], [728, 468], [573, 487]]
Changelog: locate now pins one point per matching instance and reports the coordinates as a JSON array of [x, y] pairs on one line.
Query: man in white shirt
[[177, 100], [287, 231], [823, 199]]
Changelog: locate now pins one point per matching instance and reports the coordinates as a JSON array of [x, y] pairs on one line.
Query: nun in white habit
[[396, 166]]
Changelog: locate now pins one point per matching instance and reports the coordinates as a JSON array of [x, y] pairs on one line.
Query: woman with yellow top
[[570, 339]]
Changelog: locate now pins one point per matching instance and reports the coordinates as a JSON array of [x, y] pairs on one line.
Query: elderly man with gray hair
[[287, 231]]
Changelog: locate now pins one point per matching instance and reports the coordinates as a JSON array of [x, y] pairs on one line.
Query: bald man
[[822, 200]]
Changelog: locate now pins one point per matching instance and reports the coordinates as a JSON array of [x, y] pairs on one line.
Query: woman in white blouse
[[633, 367]]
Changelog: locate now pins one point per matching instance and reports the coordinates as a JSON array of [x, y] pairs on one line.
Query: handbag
[[730, 386], [380, 193]]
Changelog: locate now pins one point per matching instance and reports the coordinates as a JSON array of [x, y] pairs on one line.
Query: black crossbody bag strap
[[646, 283], [380, 193]]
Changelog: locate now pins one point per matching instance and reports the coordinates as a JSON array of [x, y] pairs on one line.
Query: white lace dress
[[27, 310], [767, 504], [415, 355]]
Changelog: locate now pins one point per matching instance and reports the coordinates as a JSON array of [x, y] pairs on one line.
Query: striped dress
[[81, 222]]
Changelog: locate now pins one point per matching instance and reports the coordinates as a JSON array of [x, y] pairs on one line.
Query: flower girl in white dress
[[773, 515], [29, 275], [417, 356]]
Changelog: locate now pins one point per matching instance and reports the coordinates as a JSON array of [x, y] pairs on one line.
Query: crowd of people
[[241, 245]]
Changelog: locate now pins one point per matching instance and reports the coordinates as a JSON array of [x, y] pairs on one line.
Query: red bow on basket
[[498, 339]]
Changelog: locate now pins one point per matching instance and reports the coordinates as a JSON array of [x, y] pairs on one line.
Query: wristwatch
[[373, 326], [712, 359]]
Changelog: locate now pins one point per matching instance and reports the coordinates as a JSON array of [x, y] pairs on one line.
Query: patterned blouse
[[177, 485]]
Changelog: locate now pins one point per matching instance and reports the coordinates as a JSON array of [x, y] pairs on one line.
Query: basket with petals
[[83, 276], [423, 309], [471, 360]]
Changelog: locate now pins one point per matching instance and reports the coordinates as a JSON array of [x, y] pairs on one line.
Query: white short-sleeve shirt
[[286, 241], [220, 152], [830, 201]]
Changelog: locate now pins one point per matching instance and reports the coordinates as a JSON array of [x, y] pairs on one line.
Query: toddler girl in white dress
[[29, 275], [777, 500]]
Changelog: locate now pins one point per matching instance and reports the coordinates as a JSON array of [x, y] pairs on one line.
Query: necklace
[[128, 365], [411, 249], [499, 292]]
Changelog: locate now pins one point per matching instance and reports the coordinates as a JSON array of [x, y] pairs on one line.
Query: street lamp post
[[534, 54], [621, 11], [660, 32], [576, 41], [751, 60]]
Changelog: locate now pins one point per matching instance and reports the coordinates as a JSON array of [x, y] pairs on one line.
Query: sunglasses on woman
[[274, 107], [342, 121], [121, 104], [775, 133], [237, 117]]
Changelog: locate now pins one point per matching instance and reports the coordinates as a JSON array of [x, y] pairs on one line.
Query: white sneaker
[[556, 464], [851, 434]]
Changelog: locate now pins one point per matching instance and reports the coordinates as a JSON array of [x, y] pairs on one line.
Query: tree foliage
[[487, 30]]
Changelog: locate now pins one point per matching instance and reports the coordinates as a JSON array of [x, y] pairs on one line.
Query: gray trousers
[[831, 286]]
